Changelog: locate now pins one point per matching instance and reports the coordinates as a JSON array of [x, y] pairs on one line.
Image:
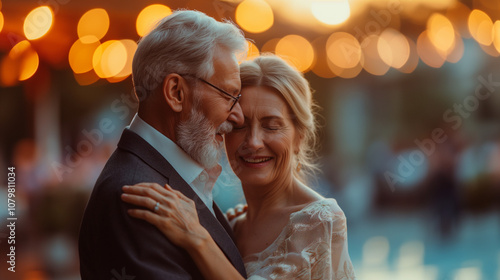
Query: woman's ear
[[174, 91], [297, 141]]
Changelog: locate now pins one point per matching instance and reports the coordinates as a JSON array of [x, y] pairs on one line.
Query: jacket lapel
[[222, 220], [217, 227]]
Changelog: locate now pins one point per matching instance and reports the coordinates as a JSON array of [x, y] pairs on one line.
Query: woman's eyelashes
[[266, 127], [272, 125], [272, 128]]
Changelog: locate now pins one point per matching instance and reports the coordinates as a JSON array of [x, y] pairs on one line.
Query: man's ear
[[174, 91]]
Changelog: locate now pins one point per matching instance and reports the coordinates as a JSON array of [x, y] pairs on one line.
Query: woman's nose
[[254, 140]]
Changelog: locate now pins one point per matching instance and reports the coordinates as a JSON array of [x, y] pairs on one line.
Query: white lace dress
[[313, 245]]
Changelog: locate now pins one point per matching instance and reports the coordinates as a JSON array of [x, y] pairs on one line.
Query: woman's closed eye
[[272, 128], [273, 124]]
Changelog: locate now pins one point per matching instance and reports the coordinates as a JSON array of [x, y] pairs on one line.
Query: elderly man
[[186, 77]]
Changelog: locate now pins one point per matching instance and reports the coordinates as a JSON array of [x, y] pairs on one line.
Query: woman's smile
[[256, 161]]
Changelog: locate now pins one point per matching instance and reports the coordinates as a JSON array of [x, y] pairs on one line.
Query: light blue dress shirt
[[189, 170]]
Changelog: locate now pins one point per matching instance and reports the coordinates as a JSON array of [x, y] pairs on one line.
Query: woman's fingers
[[162, 223], [176, 215], [153, 190], [144, 215], [176, 192], [144, 197], [138, 200], [163, 201], [149, 195], [147, 189], [235, 212], [155, 204], [240, 209]]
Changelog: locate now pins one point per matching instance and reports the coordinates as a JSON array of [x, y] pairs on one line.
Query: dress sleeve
[[312, 246]]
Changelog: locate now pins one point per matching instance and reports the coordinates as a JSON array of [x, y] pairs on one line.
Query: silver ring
[[157, 207]]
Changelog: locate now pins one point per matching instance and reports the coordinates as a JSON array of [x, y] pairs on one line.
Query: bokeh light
[[347, 73], [29, 64], [411, 254], [254, 16], [412, 62], [376, 250], [490, 50], [27, 57], [441, 32], [1, 21], [468, 273], [428, 53], [109, 58], [343, 50], [20, 64], [297, 51], [19, 48], [393, 48], [38, 22], [457, 52], [458, 15], [93, 25], [149, 17], [81, 54], [496, 35], [130, 47], [270, 46], [253, 51], [87, 78], [372, 62], [480, 27], [321, 67], [331, 12]]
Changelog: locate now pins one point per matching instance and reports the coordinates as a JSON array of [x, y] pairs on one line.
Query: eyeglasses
[[235, 99]]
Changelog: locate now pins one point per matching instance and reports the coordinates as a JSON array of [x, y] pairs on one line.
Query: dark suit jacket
[[113, 245]]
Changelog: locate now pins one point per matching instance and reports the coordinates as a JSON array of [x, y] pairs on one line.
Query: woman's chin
[[253, 179], [252, 173]]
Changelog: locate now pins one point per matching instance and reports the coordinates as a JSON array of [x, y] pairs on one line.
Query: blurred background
[[409, 138]]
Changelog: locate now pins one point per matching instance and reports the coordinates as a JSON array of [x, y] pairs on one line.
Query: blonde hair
[[271, 71]]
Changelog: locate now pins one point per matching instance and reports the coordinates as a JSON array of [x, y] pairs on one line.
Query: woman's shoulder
[[325, 210], [324, 205], [315, 205]]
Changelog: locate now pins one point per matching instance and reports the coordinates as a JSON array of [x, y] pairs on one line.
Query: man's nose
[[236, 115]]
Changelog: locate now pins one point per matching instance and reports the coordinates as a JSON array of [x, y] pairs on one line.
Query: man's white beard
[[196, 136]]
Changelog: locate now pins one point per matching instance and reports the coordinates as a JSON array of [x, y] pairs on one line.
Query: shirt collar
[[187, 168]]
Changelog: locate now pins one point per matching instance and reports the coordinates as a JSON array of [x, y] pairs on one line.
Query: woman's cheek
[[232, 145]]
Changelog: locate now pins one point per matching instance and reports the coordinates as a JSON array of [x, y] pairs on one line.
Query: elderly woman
[[288, 231]]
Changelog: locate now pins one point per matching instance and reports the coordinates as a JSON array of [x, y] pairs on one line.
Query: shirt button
[[203, 177]]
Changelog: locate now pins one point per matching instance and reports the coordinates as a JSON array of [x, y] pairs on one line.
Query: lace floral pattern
[[313, 246]]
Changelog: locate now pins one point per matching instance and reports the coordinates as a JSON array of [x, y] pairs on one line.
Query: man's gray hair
[[183, 43]]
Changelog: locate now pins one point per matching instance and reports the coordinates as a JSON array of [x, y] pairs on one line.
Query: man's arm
[[114, 244], [176, 217]]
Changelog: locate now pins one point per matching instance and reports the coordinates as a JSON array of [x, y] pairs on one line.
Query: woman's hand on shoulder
[[169, 210]]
